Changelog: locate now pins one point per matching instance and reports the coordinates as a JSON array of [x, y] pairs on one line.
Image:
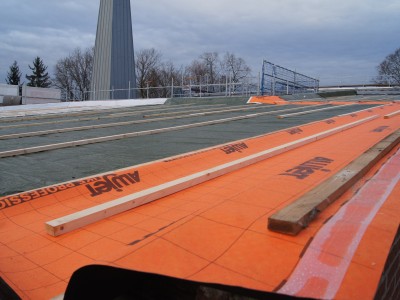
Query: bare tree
[[389, 69], [206, 68], [73, 74], [168, 76], [154, 76], [235, 67], [196, 70], [147, 65], [211, 60], [162, 80]]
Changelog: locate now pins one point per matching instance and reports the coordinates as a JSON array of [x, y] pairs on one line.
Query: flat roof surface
[[210, 222], [54, 166]]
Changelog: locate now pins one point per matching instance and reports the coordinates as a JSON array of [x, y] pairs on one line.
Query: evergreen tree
[[13, 75], [39, 77]]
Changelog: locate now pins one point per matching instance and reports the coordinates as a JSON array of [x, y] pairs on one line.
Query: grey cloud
[[323, 38]]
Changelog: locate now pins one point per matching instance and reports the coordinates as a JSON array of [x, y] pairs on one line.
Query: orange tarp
[[214, 232], [268, 100], [276, 100]]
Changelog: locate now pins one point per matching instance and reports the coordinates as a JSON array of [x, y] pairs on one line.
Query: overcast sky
[[332, 40]]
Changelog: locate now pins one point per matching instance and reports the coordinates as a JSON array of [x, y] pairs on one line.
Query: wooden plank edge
[[361, 110], [325, 194], [88, 216], [311, 111], [388, 116]]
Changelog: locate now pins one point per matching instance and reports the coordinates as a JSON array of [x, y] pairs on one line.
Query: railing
[[245, 88], [277, 80]]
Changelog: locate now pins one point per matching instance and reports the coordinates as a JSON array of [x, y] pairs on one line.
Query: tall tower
[[114, 63]]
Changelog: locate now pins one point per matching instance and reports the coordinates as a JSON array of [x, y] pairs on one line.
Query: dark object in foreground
[[6, 292], [103, 282]]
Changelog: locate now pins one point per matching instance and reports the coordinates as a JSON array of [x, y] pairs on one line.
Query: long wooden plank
[[82, 128], [361, 110], [23, 151], [309, 111], [196, 109], [26, 117], [100, 117], [125, 123], [21, 115], [77, 220], [211, 111], [106, 125], [137, 111], [297, 215]]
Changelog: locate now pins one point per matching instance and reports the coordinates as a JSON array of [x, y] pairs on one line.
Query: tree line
[[73, 73], [209, 69]]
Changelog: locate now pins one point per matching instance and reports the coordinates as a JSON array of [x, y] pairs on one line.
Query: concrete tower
[[114, 64]]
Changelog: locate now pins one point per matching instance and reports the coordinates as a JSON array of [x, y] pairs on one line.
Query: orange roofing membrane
[[330, 252], [215, 231], [276, 100], [268, 100]]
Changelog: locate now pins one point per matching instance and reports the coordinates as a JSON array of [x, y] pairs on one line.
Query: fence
[[189, 88], [277, 80]]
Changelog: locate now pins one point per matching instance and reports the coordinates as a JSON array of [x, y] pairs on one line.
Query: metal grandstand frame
[[277, 80]]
